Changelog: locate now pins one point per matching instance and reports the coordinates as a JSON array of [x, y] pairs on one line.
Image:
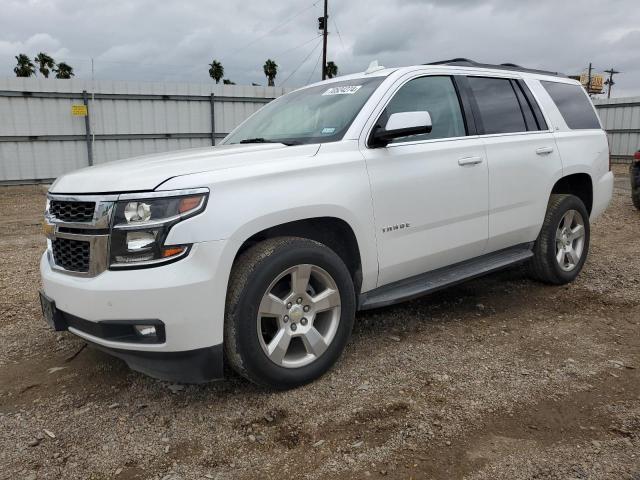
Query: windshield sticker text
[[346, 90]]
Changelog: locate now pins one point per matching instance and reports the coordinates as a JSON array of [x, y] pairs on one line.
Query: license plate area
[[51, 314]]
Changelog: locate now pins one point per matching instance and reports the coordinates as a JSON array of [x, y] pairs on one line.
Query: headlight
[[141, 226]]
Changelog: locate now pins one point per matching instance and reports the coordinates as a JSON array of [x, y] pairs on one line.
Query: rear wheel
[[289, 313], [563, 243]]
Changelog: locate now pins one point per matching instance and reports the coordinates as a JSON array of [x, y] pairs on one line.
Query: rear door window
[[574, 105], [498, 105]]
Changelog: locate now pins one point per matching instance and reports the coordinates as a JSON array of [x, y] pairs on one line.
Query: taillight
[[636, 156]]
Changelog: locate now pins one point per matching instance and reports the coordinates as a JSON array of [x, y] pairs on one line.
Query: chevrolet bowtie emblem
[[48, 229]]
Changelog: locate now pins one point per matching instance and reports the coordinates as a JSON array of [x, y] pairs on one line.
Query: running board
[[429, 282]]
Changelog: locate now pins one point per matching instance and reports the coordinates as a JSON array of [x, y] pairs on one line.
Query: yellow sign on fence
[[79, 110]]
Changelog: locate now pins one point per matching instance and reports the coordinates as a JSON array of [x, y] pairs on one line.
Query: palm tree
[[216, 71], [331, 69], [226, 81], [24, 67], [46, 64], [64, 71], [270, 70]]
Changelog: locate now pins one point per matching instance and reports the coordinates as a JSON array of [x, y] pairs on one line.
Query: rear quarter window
[[574, 105]]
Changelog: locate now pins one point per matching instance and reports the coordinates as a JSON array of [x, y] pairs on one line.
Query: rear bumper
[[602, 193]]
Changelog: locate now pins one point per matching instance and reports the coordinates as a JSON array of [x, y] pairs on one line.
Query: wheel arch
[[578, 184], [334, 232]]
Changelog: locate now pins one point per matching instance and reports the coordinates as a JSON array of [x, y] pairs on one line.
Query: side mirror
[[401, 124]]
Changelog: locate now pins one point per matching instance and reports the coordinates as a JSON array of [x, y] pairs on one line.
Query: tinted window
[[436, 95], [498, 104], [529, 117], [521, 86], [574, 105]]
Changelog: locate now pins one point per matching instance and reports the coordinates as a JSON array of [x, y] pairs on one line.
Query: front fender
[[244, 203]]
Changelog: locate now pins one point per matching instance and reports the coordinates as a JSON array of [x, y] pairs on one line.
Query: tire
[[259, 282], [634, 175], [549, 264]]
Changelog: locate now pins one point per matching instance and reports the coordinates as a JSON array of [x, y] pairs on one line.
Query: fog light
[[145, 330], [137, 241]]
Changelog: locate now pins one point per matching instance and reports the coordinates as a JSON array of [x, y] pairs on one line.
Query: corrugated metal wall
[[40, 139], [621, 119]]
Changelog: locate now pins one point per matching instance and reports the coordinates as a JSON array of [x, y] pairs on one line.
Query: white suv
[[350, 194]]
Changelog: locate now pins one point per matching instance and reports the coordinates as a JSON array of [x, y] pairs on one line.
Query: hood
[[147, 172]]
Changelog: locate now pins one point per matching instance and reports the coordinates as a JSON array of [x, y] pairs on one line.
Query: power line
[[302, 63], [297, 47], [339, 36], [314, 69], [272, 30]]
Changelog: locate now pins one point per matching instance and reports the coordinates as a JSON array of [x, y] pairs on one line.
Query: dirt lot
[[500, 378]]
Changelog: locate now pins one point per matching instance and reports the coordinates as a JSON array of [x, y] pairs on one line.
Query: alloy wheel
[[570, 236], [298, 316]]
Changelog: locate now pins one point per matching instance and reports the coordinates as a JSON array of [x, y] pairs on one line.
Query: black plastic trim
[[465, 97], [523, 104], [465, 88], [465, 62], [116, 330], [537, 111], [191, 366], [429, 282]]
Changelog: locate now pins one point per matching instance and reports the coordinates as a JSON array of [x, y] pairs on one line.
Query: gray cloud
[[174, 40]]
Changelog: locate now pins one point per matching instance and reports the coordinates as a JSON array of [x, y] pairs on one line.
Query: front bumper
[[192, 366], [187, 297]]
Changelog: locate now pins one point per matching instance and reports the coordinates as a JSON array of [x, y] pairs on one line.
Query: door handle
[[469, 161], [544, 150]]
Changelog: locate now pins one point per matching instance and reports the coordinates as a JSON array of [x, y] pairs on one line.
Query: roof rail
[[465, 62]]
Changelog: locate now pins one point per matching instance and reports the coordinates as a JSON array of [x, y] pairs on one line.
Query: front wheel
[[289, 313], [563, 243]]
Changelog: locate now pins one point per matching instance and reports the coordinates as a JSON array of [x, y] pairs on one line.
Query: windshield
[[314, 115]]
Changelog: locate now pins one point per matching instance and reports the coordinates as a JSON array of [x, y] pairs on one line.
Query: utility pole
[[589, 80], [610, 83], [325, 24]]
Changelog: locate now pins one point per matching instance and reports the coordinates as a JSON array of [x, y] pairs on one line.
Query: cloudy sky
[[173, 40]]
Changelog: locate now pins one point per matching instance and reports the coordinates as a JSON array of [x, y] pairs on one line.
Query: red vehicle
[[634, 173]]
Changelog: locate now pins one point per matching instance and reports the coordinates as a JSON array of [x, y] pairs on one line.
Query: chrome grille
[[73, 212], [72, 255], [78, 227]]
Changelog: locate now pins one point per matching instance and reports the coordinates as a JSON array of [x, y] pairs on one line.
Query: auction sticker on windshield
[[345, 90]]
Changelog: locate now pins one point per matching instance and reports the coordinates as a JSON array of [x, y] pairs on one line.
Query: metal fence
[[41, 139], [621, 119]]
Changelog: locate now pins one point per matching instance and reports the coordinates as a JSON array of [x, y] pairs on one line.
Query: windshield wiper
[[257, 140], [266, 140]]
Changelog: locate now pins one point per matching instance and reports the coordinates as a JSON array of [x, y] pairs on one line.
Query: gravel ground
[[499, 378]]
